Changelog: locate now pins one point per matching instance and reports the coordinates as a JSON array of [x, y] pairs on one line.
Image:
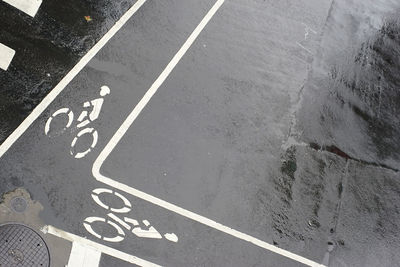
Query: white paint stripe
[[83, 256], [99, 247], [157, 201], [6, 56], [29, 7], [68, 78]]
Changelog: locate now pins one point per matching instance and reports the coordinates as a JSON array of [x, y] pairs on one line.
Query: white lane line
[[68, 78], [96, 246], [29, 7], [157, 201], [83, 256], [6, 56]]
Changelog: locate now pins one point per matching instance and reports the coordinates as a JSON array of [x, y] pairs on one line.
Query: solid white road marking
[[29, 7], [157, 201], [68, 78], [83, 256], [6, 56], [99, 247]]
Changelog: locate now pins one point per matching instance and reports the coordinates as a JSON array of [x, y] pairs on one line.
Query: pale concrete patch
[[59, 249]]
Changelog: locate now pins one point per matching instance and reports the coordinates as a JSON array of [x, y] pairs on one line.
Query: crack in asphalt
[[337, 151]]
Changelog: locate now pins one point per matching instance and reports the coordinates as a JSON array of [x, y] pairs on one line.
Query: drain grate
[[20, 246]]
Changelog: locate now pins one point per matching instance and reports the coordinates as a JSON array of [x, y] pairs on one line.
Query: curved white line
[[95, 195], [60, 111], [47, 126]]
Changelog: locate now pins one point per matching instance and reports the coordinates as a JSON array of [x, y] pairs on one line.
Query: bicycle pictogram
[[83, 120], [141, 229]]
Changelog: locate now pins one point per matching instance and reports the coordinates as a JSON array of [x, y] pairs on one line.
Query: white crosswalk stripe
[[6, 56], [83, 256], [29, 7]]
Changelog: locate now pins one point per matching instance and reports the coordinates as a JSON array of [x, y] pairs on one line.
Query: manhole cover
[[18, 204], [21, 246]]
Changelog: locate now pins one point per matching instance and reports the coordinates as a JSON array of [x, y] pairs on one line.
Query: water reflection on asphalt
[[352, 98]]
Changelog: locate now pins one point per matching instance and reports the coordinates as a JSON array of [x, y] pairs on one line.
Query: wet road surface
[[278, 122], [357, 68]]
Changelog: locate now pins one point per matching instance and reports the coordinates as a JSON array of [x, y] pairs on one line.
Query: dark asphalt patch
[[47, 47]]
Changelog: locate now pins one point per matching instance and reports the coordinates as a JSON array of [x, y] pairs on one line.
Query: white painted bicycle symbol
[[143, 229], [83, 120]]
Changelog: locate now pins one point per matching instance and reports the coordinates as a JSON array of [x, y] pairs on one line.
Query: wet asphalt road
[[280, 122]]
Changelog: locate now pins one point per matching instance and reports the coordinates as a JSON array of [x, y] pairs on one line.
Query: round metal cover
[[20, 246], [18, 204]]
